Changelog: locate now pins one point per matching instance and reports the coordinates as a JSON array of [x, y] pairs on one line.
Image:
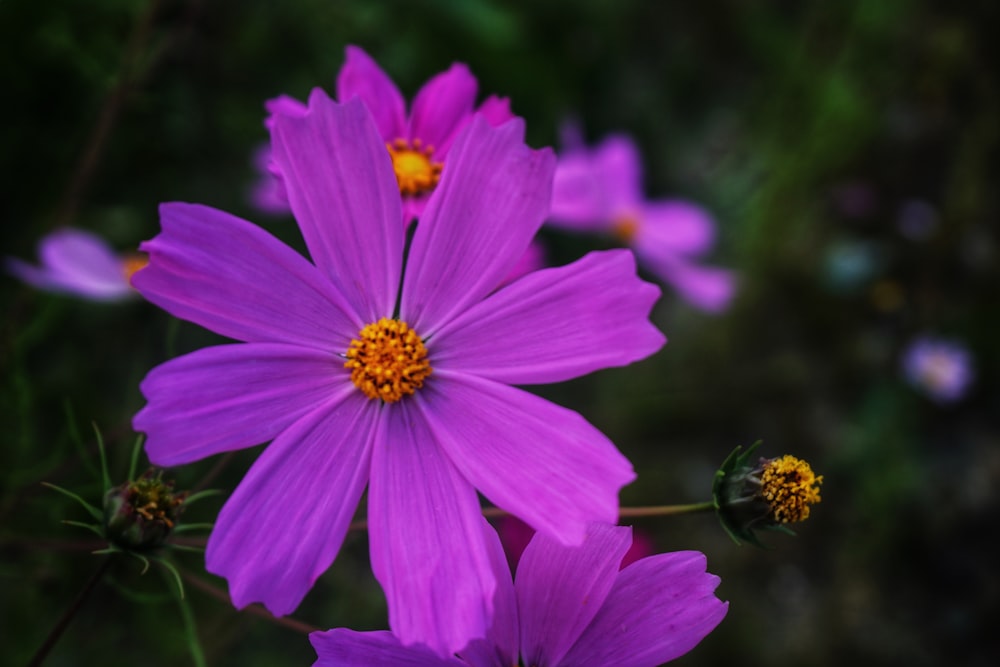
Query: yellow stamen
[[388, 360], [624, 228], [132, 263], [789, 486], [416, 173]]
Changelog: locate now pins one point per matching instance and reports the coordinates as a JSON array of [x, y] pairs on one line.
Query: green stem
[[667, 510], [69, 614]]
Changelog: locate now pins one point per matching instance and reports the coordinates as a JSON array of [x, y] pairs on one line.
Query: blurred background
[[847, 150]]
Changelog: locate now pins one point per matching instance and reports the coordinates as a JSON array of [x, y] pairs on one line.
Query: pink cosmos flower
[[418, 142], [567, 606], [516, 534], [361, 375], [600, 190], [941, 369], [81, 264]]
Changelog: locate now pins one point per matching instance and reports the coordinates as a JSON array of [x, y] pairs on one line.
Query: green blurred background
[[811, 130]]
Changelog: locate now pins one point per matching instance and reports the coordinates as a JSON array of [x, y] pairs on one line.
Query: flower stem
[[667, 510], [69, 614]]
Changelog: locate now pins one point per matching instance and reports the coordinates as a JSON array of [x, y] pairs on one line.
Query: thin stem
[[667, 510], [69, 614]]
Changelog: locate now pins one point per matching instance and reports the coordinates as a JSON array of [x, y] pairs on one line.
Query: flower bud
[[140, 514]]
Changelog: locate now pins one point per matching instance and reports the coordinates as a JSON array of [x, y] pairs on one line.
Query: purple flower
[[567, 606], [361, 375], [418, 142], [79, 263], [600, 190], [941, 369]]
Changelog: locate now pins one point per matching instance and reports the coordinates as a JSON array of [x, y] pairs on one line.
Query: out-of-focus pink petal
[[560, 589], [362, 77], [426, 535], [515, 536], [493, 196], [200, 404], [555, 324], [232, 277], [500, 647], [344, 196], [563, 472], [709, 288], [620, 169], [642, 546], [285, 522], [341, 647], [441, 106], [579, 199], [267, 194], [496, 110], [283, 105], [659, 609], [75, 262], [674, 226]]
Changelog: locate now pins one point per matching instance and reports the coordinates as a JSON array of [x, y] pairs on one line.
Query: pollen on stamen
[[789, 486], [624, 228], [132, 263], [388, 360], [416, 172]]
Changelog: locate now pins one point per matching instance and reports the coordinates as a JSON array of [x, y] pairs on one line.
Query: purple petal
[[705, 287], [232, 277], [540, 462], [555, 324], [531, 260], [267, 194], [674, 226], [618, 163], [560, 589], [284, 524], [346, 648], [659, 609], [344, 195], [496, 110], [441, 107], [232, 396], [283, 105], [500, 647], [75, 262], [493, 195], [426, 535], [362, 77], [579, 198]]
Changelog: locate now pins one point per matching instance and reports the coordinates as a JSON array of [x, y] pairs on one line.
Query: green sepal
[[94, 512]]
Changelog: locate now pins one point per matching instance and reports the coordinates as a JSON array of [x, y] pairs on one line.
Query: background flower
[[940, 368]]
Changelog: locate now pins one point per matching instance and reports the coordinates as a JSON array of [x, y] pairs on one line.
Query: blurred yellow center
[[132, 263], [388, 360], [416, 173], [624, 228], [789, 486]]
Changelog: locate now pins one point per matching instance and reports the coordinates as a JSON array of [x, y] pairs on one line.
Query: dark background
[[809, 129]]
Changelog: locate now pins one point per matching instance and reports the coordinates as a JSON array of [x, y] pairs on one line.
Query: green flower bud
[[140, 515]]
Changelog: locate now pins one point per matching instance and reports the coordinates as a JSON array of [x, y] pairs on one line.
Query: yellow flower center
[[416, 173], [789, 486], [388, 360], [132, 263], [624, 228]]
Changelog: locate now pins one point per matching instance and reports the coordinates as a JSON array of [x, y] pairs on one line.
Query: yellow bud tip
[[790, 487]]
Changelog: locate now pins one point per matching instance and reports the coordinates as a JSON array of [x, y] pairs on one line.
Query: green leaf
[[94, 512]]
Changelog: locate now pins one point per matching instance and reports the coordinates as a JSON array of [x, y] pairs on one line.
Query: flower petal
[[361, 77], [706, 287], [594, 187], [555, 324], [232, 277], [344, 195], [426, 535], [540, 462], [620, 168], [496, 110], [560, 589], [500, 646], [659, 609], [493, 195], [441, 106], [231, 396], [674, 226], [284, 524], [341, 647], [77, 262]]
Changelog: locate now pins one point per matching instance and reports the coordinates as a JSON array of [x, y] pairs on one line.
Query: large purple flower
[[567, 606], [600, 190], [80, 263], [418, 142], [360, 377]]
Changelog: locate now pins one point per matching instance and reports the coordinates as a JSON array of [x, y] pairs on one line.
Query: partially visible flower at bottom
[[516, 534], [567, 606], [940, 368], [81, 264]]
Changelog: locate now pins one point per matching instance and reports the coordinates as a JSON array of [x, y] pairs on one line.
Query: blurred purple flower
[[600, 190], [941, 369], [79, 263], [418, 142], [419, 406], [567, 606]]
